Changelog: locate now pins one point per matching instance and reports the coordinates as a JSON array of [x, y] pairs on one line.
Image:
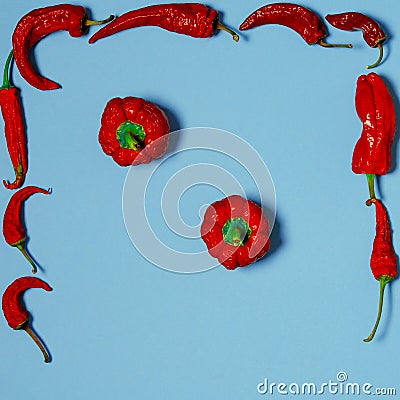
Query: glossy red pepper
[[302, 20], [192, 19], [372, 32], [14, 128], [39, 23], [383, 258], [375, 108], [13, 226], [235, 231], [14, 309], [133, 131]]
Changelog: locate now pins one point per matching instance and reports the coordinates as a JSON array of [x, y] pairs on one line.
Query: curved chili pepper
[[39, 23], [351, 21], [13, 226], [235, 231], [302, 20], [383, 258], [375, 108], [133, 131], [193, 19], [14, 128], [14, 310]]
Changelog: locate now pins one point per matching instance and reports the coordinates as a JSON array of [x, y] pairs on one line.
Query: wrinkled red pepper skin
[[13, 227], [136, 111], [383, 258], [375, 108], [373, 34], [302, 20], [215, 218], [192, 19], [37, 24], [13, 307], [14, 129]]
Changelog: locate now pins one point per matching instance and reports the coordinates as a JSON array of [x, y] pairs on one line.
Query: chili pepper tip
[[378, 61]]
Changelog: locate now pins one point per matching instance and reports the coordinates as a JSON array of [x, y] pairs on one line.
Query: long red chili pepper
[[39, 23], [372, 32], [14, 128], [383, 258], [13, 226], [14, 309], [193, 19], [375, 108], [302, 20]]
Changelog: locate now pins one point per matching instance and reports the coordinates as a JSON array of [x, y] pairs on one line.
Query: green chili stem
[[371, 185], [378, 61], [324, 44], [383, 280], [90, 22], [223, 27], [32, 334], [22, 249], [6, 79]]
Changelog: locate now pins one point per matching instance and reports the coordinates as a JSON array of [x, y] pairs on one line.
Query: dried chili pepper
[[375, 108], [193, 19], [39, 23], [14, 309], [133, 131], [13, 226], [351, 21], [235, 231], [383, 258], [14, 128], [302, 20]]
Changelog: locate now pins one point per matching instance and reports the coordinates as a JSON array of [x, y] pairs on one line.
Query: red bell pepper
[[235, 231], [133, 131]]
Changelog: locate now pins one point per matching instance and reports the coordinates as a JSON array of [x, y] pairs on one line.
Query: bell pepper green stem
[[383, 280], [6, 78]]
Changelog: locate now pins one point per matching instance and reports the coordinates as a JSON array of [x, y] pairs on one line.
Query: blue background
[[119, 327]]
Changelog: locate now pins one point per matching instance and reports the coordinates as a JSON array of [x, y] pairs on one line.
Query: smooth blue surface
[[117, 326]]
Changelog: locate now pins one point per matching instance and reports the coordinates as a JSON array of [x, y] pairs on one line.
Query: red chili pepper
[[191, 19], [383, 258], [39, 23], [13, 226], [351, 21], [302, 20], [375, 108], [235, 231], [14, 309], [133, 131], [14, 128]]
